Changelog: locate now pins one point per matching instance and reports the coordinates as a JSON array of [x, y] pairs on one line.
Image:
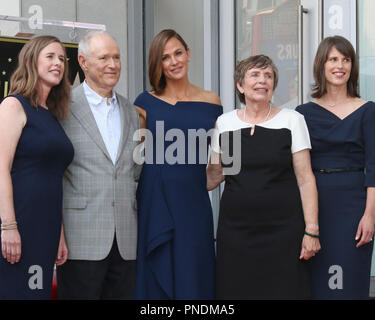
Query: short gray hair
[[258, 61], [84, 44]]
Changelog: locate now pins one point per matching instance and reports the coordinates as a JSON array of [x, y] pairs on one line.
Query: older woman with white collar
[[268, 214]]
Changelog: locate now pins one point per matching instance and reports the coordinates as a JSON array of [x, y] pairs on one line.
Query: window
[[274, 33]]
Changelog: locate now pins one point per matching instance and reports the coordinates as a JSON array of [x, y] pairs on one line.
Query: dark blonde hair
[[258, 61], [155, 72], [25, 79], [342, 45]]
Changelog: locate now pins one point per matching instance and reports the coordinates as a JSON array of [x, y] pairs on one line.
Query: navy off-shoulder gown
[[176, 256]]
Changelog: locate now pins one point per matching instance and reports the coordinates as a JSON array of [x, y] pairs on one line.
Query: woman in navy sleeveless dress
[[38, 151], [342, 133], [176, 256]]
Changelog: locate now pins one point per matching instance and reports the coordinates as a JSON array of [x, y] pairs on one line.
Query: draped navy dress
[[340, 270], [176, 256], [42, 155]]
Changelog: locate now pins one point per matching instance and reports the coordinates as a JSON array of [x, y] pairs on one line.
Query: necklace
[[331, 105], [265, 119]]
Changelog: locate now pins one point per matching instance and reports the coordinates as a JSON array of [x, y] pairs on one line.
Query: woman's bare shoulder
[[11, 102], [12, 105], [208, 96], [11, 109]]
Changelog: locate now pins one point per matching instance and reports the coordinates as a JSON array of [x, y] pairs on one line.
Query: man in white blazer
[[99, 212]]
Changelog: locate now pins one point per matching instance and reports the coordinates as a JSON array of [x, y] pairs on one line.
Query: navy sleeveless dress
[[176, 255], [340, 270], [42, 155]]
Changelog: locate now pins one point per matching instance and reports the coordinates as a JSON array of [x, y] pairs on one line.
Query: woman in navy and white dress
[[269, 205]]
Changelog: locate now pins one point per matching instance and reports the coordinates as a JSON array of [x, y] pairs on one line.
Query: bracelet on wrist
[[311, 234], [9, 226]]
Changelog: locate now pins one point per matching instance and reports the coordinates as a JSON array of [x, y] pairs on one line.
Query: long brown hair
[[342, 45], [25, 78], [155, 72]]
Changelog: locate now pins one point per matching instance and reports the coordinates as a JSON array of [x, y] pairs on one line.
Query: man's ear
[[82, 60]]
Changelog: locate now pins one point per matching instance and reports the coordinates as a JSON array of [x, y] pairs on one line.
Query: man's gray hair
[[84, 44]]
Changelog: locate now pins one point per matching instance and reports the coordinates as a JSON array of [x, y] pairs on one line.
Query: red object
[[54, 286]]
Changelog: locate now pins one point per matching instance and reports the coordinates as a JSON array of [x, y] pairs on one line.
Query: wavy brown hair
[[155, 72], [342, 45], [25, 79]]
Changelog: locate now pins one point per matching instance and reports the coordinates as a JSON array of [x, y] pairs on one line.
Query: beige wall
[[9, 8], [186, 17], [111, 13]]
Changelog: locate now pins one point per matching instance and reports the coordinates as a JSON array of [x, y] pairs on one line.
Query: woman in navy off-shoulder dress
[[342, 132], [176, 256], [34, 155]]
